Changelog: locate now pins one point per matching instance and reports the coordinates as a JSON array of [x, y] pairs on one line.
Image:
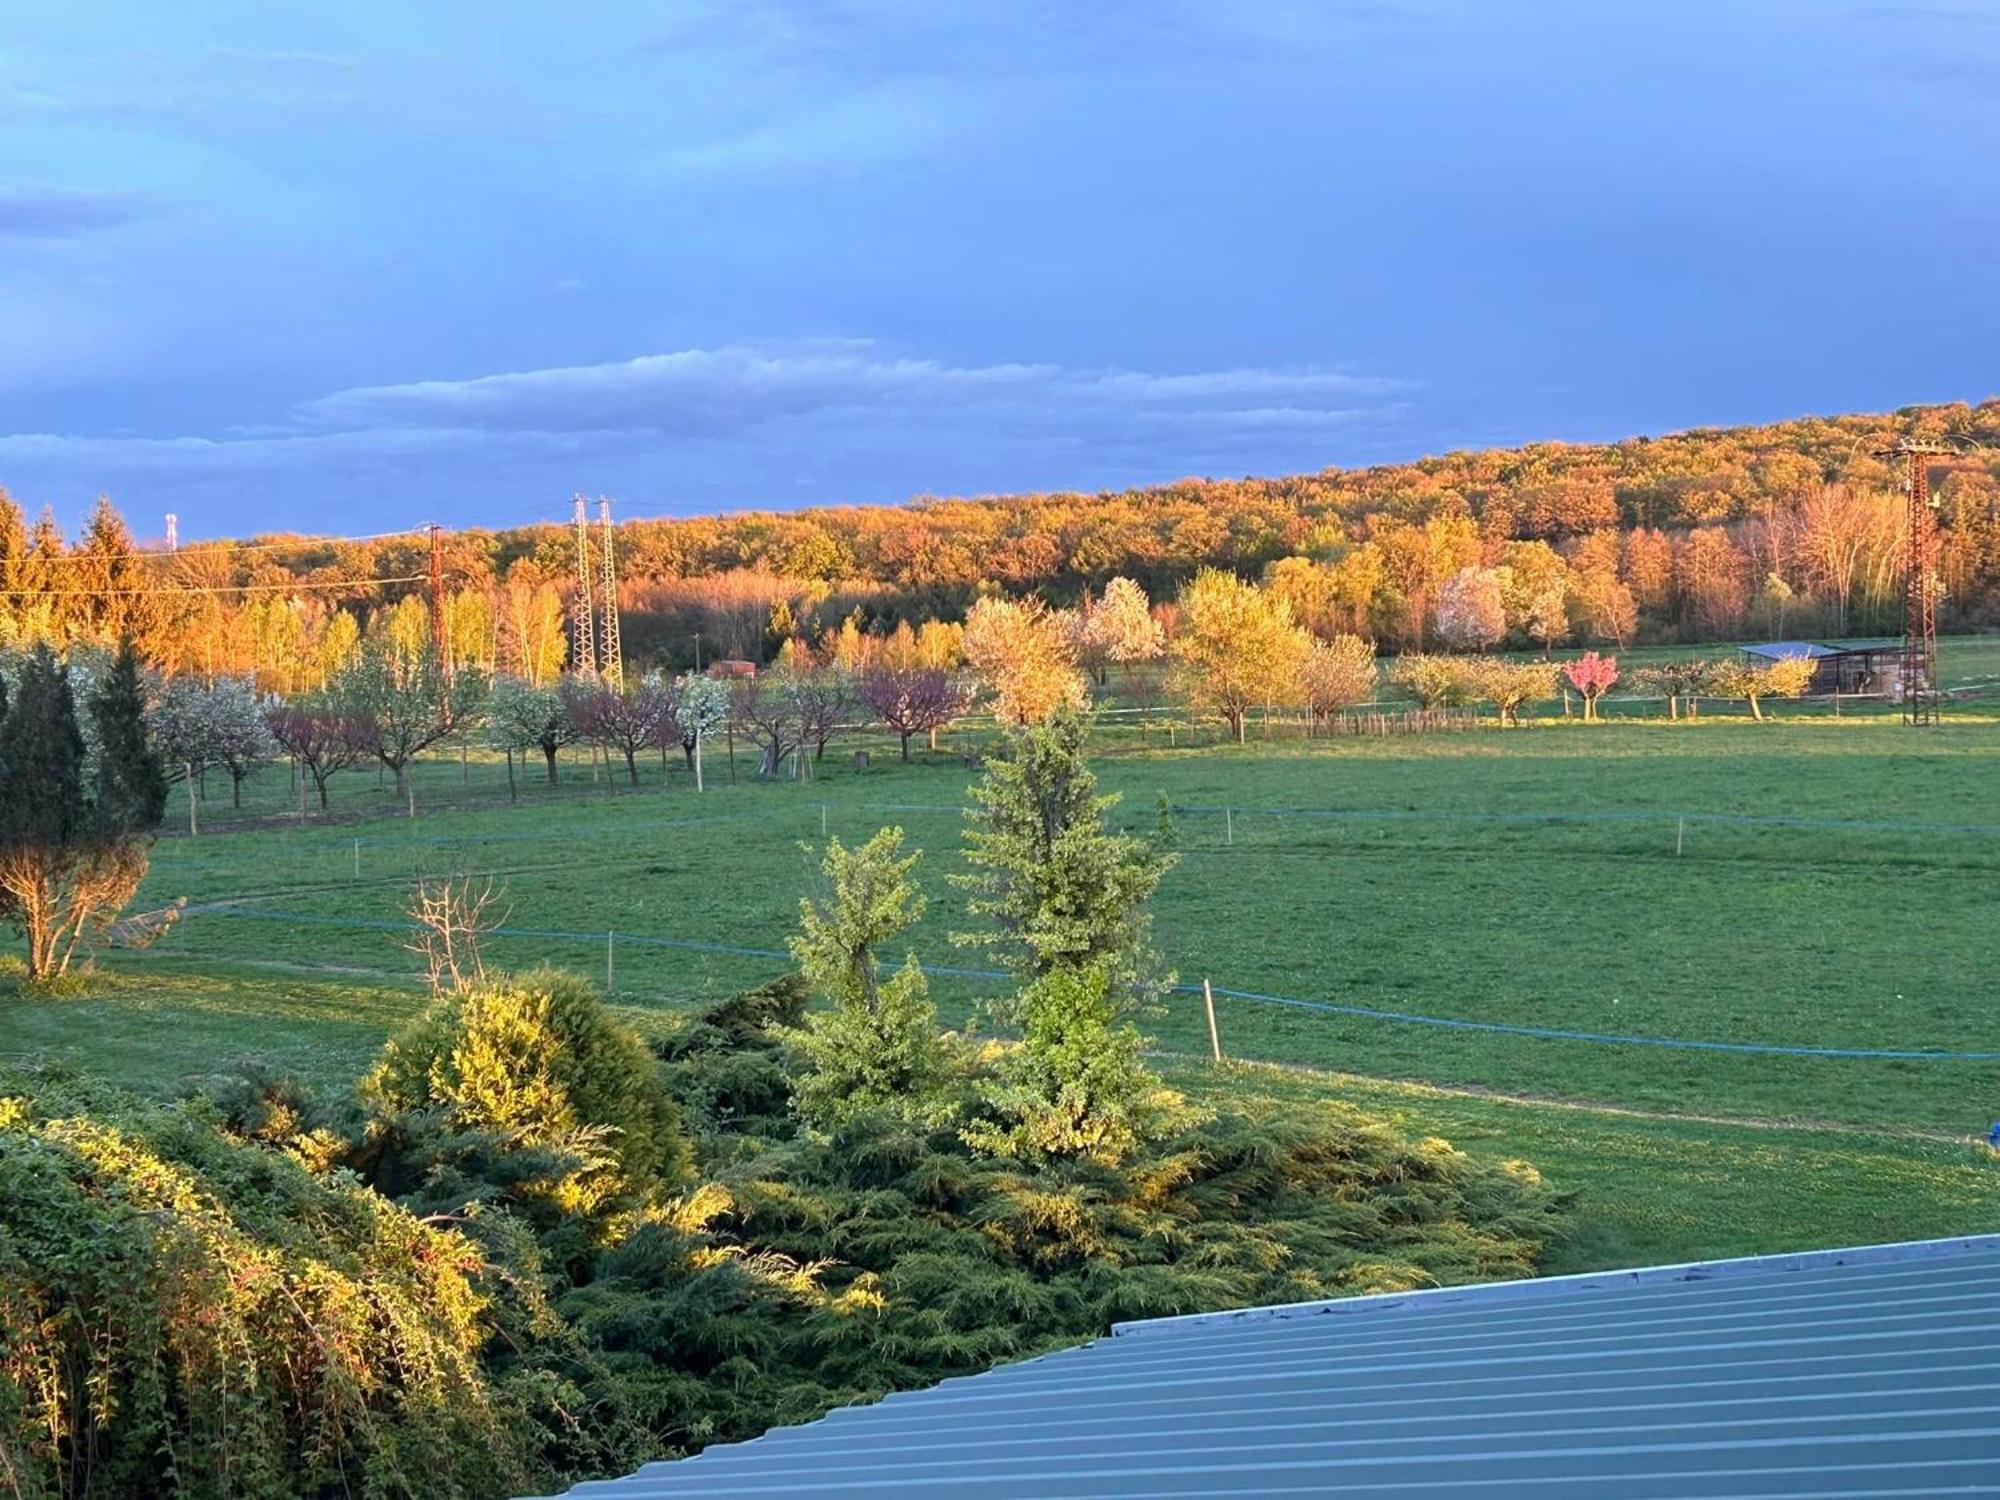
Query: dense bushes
[[182, 1289], [535, 1068], [183, 1313]]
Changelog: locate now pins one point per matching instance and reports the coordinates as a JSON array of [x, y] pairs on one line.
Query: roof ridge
[[1535, 1288]]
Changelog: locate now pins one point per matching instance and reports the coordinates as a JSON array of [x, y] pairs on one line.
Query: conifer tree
[[1061, 891], [878, 1048], [42, 758], [131, 783], [1067, 898]]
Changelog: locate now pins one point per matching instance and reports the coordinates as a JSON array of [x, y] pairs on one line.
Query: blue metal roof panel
[[1784, 650], [1862, 1372]]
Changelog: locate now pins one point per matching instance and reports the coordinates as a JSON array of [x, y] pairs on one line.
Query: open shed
[[1850, 667]]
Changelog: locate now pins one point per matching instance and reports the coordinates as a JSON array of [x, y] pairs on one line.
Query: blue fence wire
[[1360, 1012]]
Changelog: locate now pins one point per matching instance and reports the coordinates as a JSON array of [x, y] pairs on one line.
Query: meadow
[[1507, 938]]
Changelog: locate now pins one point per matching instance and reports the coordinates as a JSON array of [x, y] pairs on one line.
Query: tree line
[[1791, 528]]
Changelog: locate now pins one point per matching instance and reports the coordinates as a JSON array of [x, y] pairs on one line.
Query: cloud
[[739, 389], [59, 213], [793, 423]]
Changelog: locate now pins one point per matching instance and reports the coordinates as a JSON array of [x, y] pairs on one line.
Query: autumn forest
[[1787, 529]]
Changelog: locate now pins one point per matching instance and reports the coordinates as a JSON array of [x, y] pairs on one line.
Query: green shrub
[[878, 1048], [1076, 1085], [185, 1314], [529, 1084]]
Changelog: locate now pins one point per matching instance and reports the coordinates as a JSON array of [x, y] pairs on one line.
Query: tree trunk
[[906, 743], [695, 756], [632, 764], [319, 783], [512, 794], [193, 798], [550, 752]]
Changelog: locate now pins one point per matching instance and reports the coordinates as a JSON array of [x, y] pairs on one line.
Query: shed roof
[[1870, 1371], [1785, 650]]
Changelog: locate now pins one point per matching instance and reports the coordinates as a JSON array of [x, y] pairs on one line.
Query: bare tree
[[453, 917]]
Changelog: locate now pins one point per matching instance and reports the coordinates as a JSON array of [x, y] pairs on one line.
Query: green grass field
[[1810, 883]]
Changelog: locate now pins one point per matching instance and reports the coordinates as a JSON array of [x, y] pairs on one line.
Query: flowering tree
[[1676, 680], [913, 700], [626, 719], [1237, 646], [1336, 673], [1471, 612], [1435, 681], [826, 697], [198, 724], [1509, 684], [319, 734], [766, 709], [522, 717], [242, 739], [1592, 676], [1119, 628], [1024, 658], [403, 704], [1787, 678], [698, 707]]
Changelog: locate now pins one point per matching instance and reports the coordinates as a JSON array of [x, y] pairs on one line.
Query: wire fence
[[611, 938]]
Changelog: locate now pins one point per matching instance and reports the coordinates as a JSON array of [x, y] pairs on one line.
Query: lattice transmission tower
[[1917, 677], [611, 662], [583, 613]]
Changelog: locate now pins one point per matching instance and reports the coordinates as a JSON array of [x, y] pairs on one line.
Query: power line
[[216, 588], [210, 549]]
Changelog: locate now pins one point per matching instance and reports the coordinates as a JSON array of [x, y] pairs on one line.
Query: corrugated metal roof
[[1785, 650], [1866, 1372]]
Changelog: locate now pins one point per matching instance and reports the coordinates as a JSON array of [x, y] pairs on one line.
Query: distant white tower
[[173, 532]]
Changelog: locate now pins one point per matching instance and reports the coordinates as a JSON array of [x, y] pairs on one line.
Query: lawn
[[1811, 884]]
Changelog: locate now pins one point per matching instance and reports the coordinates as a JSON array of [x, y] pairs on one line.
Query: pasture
[[1651, 958]]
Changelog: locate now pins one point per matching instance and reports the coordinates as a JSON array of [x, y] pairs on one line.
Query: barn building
[[1852, 1373]]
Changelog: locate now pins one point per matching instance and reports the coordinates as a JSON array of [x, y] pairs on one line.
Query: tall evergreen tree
[[131, 784], [1064, 894], [42, 795], [108, 567], [63, 875]]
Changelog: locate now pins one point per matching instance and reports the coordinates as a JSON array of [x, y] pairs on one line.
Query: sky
[[349, 268]]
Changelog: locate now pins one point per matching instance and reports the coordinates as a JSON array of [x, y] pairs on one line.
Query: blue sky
[[354, 267]]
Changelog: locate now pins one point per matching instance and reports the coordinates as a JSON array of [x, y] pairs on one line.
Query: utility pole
[[610, 657], [438, 642], [173, 532], [583, 615]]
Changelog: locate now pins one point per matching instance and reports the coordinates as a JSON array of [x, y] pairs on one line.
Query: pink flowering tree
[[1592, 676]]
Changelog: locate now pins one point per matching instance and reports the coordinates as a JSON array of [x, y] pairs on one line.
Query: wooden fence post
[[1214, 1036]]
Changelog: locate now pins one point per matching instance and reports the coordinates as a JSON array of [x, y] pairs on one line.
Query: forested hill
[[1702, 534]]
